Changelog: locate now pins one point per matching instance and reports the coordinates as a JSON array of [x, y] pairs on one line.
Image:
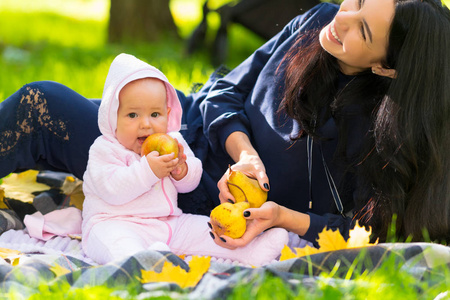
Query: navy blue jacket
[[247, 100]]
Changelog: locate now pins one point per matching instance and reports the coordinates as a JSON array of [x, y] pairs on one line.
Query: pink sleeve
[[62, 222]]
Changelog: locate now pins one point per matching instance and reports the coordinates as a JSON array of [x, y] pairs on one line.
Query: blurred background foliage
[[67, 41]]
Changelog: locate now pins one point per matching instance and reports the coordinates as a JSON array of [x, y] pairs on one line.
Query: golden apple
[[245, 189], [160, 142], [228, 219]]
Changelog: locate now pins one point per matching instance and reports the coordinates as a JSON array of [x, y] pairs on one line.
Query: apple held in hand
[[227, 219], [245, 189], [160, 142]]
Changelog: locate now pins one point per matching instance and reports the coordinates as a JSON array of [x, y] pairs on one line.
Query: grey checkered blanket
[[35, 267]]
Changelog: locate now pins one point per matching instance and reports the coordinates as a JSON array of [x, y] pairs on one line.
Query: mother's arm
[[240, 149]]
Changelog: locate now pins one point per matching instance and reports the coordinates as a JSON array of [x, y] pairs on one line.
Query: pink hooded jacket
[[118, 183]]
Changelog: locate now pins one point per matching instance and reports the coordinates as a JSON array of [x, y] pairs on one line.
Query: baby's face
[[142, 112]]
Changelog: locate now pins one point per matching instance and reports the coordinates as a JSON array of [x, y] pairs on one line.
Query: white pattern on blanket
[[20, 240]]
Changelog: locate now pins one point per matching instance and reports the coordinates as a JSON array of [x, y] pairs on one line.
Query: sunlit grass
[[392, 279], [66, 41], [75, 9]]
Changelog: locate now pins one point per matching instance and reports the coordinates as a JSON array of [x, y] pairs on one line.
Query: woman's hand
[[250, 165], [259, 219], [269, 215], [247, 161]]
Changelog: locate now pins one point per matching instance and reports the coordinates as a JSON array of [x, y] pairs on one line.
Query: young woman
[[345, 111], [370, 89]]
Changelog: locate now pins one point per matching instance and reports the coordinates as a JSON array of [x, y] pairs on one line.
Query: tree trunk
[[140, 20]]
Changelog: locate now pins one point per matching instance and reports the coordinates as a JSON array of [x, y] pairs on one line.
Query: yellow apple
[[227, 219], [160, 142], [245, 189]]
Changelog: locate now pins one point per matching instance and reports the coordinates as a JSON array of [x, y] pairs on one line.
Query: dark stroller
[[264, 17]]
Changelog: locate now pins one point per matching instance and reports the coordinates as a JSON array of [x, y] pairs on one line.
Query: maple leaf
[[59, 270], [360, 237], [21, 186], [2, 199], [287, 253], [10, 255], [198, 266], [73, 188], [330, 240]]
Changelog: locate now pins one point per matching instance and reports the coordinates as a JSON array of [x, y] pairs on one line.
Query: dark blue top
[[247, 100]]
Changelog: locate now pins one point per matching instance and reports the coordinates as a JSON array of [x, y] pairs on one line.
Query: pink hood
[[124, 69]]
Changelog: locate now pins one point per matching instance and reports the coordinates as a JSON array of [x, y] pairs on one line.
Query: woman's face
[[359, 33]]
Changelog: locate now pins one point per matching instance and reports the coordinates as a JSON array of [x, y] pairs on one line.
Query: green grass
[[391, 280], [75, 53], [64, 41]]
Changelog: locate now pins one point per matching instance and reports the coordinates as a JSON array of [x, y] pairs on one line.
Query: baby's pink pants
[[185, 234]]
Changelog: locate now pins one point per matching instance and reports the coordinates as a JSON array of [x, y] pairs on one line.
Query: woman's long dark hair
[[404, 167]]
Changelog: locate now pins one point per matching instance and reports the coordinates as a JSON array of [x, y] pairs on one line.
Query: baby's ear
[[380, 71]]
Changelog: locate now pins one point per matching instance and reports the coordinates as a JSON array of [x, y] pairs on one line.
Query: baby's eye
[[132, 115], [155, 114]]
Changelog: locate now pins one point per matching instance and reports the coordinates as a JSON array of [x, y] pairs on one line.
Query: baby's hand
[[162, 165], [181, 169]]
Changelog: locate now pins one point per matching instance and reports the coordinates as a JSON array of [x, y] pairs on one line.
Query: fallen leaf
[[73, 188], [307, 250], [21, 186], [287, 253], [359, 237], [59, 270], [2, 199], [330, 240], [198, 266], [10, 255]]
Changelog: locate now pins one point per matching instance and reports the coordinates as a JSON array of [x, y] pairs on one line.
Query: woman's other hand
[[269, 215], [247, 161], [258, 220]]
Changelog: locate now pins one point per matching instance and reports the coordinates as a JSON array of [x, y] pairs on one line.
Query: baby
[[131, 199]]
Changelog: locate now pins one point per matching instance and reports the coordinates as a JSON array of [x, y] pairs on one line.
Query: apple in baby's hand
[[160, 142]]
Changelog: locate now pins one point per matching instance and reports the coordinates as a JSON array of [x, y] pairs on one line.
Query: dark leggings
[[46, 125]]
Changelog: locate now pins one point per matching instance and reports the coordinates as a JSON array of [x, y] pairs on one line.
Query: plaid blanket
[[424, 261], [418, 259]]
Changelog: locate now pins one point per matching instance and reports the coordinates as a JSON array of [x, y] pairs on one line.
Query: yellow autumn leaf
[[307, 250], [10, 255], [330, 240], [198, 266], [21, 186], [73, 188], [287, 253], [59, 270], [2, 199], [359, 237]]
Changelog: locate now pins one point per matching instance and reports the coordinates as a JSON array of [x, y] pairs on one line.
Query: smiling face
[[142, 111], [358, 35]]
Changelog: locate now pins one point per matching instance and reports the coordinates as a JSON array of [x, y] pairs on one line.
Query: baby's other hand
[[181, 169], [162, 165]]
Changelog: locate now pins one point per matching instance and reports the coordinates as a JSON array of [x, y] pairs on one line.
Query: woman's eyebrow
[[368, 30], [369, 33]]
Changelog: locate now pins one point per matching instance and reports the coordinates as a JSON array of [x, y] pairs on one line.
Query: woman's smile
[[334, 36]]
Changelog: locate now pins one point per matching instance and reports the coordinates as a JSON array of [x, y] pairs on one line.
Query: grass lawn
[[65, 41]]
